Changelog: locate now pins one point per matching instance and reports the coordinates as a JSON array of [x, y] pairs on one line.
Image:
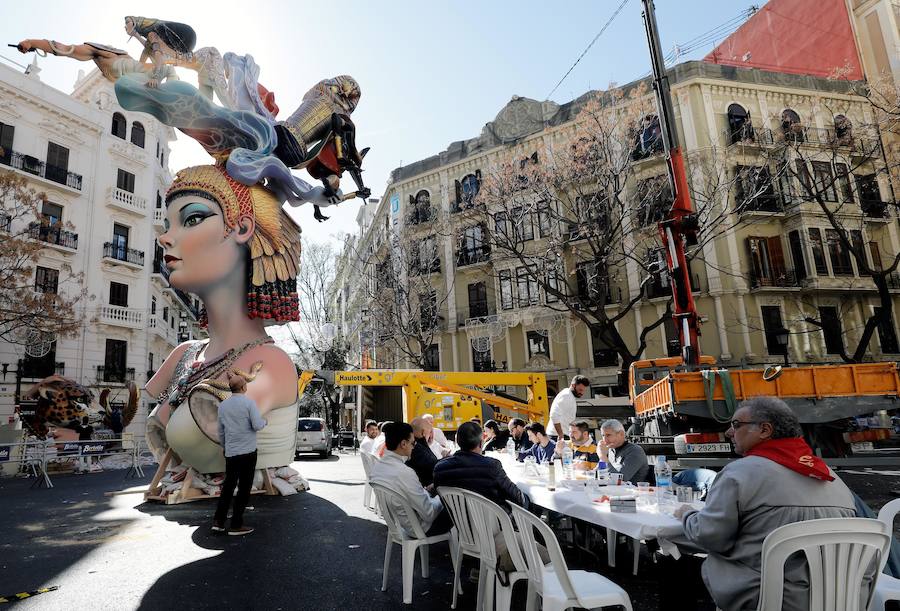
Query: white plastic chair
[[838, 551], [490, 519], [887, 587], [558, 587], [388, 501], [464, 536], [367, 461]]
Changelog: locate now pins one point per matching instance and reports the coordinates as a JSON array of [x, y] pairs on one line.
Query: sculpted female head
[[221, 231]]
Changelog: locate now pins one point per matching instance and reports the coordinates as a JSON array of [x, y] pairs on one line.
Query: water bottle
[[602, 472], [663, 477], [511, 447], [567, 456]]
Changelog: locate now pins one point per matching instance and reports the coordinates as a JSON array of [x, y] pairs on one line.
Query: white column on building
[[720, 327], [570, 342]]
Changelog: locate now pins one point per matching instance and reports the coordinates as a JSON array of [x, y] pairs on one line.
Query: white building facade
[[104, 172]]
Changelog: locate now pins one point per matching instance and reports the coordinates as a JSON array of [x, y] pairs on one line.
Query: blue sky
[[431, 73]]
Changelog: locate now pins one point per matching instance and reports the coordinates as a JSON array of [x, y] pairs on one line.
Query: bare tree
[[571, 224], [34, 307], [405, 285]]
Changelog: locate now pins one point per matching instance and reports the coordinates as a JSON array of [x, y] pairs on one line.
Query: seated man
[[542, 447], [585, 455], [378, 446], [623, 457], [422, 459], [372, 432], [778, 481], [435, 437], [519, 435], [470, 470], [391, 471]]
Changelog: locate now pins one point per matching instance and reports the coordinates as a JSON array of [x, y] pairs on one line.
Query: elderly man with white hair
[[623, 457], [437, 441]]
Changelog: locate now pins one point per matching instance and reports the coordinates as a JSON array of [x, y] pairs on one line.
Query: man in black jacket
[[422, 459], [470, 470]]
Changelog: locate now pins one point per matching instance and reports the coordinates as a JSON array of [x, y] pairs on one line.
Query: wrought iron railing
[[119, 252], [52, 234], [118, 375], [33, 165]]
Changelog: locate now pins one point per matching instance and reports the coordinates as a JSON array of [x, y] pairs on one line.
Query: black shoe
[[237, 532], [218, 527]]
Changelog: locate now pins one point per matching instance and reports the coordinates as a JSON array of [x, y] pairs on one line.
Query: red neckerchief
[[795, 454]]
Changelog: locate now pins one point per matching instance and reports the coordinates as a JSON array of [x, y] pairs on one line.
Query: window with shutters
[[46, 280], [772, 325], [166, 313], [755, 190], [887, 336], [115, 359], [478, 304], [506, 290], [137, 134], [153, 306], [818, 251], [791, 128], [119, 125], [824, 180], [523, 225], [6, 143], [555, 281], [57, 168], [840, 256], [797, 254], [125, 180], [118, 294], [466, 190], [805, 178], [843, 179], [767, 259], [832, 330], [856, 239], [432, 358], [544, 220], [527, 287], [875, 256]]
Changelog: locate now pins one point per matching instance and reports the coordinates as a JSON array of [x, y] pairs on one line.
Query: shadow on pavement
[[46, 531], [306, 553]]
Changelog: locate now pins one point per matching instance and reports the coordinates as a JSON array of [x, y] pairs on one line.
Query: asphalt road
[[315, 550]]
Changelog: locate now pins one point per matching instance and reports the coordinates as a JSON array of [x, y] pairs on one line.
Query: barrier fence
[[33, 455]]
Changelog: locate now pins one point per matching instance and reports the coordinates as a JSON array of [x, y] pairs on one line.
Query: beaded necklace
[[189, 371]]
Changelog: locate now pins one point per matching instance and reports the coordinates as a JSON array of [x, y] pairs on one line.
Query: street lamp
[[782, 336]]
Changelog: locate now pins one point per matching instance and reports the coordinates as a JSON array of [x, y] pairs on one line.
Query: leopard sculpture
[[61, 401]]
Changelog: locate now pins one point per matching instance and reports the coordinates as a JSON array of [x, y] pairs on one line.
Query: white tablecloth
[[644, 524]]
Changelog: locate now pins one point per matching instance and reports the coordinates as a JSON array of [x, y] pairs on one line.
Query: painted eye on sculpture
[[194, 219], [193, 214]]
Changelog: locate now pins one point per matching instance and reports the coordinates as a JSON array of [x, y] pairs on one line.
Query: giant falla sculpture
[[227, 238]]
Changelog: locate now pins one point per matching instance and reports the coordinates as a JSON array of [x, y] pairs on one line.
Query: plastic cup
[[684, 494]]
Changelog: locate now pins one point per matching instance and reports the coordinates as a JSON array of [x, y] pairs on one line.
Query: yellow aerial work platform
[[817, 394], [453, 397]]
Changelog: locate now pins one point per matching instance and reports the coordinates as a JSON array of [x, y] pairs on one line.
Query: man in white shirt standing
[[368, 443], [563, 408], [391, 471]]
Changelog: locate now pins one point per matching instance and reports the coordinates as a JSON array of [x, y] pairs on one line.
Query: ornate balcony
[[775, 279], [119, 316], [471, 256], [159, 217], [128, 201]]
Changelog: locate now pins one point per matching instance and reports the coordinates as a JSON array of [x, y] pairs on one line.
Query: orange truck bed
[[816, 394]]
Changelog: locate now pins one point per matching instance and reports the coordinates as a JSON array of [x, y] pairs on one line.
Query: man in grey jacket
[[239, 420], [778, 481]]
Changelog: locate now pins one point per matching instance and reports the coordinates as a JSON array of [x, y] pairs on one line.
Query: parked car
[[313, 436]]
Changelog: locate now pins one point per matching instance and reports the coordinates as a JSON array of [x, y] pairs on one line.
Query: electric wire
[[583, 53]]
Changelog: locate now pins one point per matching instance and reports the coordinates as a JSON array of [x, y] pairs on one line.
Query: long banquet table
[[647, 523]]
